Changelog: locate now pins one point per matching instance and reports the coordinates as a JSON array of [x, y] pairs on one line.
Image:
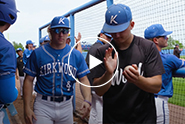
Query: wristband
[[87, 102]]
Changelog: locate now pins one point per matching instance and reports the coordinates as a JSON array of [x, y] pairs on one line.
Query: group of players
[[135, 95]]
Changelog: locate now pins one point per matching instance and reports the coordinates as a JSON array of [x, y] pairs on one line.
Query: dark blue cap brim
[[60, 26], [115, 28]]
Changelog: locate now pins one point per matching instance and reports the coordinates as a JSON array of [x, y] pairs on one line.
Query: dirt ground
[[19, 118], [177, 113]]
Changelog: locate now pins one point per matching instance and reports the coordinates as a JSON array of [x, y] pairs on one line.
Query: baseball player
[[177, 51], [129, 96], [44, 40], [158, 35], [54, 86], [19, 70], [8, 91], [27, 51], [97, 101], [78, 38]]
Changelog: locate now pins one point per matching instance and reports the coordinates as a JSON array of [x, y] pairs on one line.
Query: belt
[[56, 98], [162, 97]]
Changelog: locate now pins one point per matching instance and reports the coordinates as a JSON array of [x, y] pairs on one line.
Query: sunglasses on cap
[[165, 37], [59, 30]]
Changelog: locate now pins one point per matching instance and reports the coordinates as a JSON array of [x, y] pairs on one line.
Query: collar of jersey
[[100, 42]]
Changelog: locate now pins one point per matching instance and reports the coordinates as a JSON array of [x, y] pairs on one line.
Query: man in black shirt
[[176, 51], [97, 102], [129, 96], [19, 70]]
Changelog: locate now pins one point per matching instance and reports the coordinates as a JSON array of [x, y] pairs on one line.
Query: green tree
[[18, 45], [172, 42]]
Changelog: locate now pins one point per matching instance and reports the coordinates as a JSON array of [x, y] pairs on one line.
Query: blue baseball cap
[[41, 40], [155, 30], [108, 35], [18, 49], [45, 38], [117, 18], [29, 42], [60, 22]]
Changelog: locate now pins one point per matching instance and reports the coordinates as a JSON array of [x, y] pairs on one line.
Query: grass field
[[178, 92], [182, 57]]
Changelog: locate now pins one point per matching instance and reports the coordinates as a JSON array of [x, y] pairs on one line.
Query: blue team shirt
[[26, 55], [170, 63], [50, 66], [8, 61], [100, 42]]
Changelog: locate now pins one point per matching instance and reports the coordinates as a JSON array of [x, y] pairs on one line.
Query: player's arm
[[148, 84], [151, 85], [17, 74], [27, 97], [99, 81], [78, 46], [86, 93], [110, 65]]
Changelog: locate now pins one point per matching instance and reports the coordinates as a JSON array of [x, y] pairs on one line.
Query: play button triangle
[[93, 62]]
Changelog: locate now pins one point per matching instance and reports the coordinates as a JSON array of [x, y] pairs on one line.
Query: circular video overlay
[[82, 42]]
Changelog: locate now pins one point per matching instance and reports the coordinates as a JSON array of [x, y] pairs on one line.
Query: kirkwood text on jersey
[[57, 67]]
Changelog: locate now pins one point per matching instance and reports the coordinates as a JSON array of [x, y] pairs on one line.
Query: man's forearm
[[27, 92], [86, 91], [101, 80], [151, 84]]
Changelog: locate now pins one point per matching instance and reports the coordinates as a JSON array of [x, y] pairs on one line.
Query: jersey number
[[68, 85]]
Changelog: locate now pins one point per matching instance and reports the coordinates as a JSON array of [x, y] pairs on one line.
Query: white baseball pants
[[50, 112], [96, 113], [161, 103]]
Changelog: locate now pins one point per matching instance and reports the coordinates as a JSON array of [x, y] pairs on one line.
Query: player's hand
[[29, 116], [78, 38], [110, 63], [85, 108], [132, 74]]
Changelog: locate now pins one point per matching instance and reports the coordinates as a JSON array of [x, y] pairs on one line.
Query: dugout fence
[[88, 19]]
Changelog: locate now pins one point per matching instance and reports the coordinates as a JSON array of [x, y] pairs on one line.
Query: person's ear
[[101, 34], [155, 40], [132, 23]]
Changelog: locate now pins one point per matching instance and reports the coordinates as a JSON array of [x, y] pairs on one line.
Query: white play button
[[93, 62]]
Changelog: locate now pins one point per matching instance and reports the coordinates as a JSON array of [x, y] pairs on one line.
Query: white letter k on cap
[[113, 19], [61, 20]]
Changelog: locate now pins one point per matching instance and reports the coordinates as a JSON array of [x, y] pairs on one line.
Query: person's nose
[[61, 33], [117, 35]]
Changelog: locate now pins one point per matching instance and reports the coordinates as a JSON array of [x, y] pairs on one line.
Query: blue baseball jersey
[[26, 55], [50, 66], [170, 63], [8, 61]]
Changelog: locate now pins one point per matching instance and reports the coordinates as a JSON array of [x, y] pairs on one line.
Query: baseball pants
[[161, 103], [50, 112], [1, 116], [96, 113], [21, 79]]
